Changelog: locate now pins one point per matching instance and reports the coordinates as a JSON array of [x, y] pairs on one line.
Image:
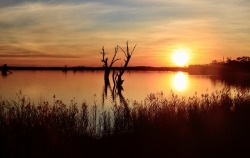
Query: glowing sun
[[180, 57]]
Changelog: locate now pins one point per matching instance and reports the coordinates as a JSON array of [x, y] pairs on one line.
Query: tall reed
[[218, 121]]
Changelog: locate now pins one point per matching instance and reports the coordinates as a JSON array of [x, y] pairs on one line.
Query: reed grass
[[210, 125]]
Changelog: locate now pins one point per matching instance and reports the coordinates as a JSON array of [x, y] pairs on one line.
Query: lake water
[[88, 86]]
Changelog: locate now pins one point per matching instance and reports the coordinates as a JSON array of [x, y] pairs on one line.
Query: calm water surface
[[88, 86]]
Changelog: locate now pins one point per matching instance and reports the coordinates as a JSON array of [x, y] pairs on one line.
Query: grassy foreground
[[210, 125]]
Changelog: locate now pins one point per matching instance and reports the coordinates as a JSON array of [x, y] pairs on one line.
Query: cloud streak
[[80, 28], [14, 52]]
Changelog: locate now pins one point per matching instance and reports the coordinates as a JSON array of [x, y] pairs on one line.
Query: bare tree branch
[[104, 60], [133, 49], [113, 59], [127, 48], [122, 50]]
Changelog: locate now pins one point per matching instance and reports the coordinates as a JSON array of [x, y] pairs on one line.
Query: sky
[[73, 32]]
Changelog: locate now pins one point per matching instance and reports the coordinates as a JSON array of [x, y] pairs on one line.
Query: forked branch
[[114, 59], [107, 67], [128, 55]]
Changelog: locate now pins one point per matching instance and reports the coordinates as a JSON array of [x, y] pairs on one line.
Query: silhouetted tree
[[107, 67], [118, 77], [244, 59]]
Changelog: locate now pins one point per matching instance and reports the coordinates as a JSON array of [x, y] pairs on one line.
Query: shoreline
[[220, 70], [83, 68]]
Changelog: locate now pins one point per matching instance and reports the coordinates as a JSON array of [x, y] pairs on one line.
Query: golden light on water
[[180, 81]]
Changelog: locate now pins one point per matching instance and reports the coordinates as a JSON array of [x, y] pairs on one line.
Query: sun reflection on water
[[180, 81]]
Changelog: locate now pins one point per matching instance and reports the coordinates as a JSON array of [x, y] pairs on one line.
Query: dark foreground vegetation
[[210, 125]]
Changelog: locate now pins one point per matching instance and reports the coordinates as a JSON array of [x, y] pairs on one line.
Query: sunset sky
[[72, 32]]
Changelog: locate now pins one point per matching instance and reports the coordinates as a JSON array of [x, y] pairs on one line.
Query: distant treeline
[[240, 65], [83, 68], [53, 68]]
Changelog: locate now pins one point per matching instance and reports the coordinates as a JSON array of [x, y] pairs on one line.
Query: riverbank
[[209, 69], [84, 68]]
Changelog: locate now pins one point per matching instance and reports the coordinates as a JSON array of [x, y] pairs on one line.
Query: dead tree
[[128, 55], [117, 75], [107, 67]]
